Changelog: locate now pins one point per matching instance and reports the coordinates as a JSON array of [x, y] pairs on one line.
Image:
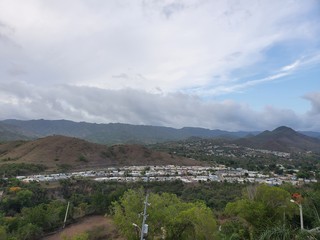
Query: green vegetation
[[16, 169], [168, 216], [64, 167], [189, 211], [262, 207], [83, 158], [265, 212]]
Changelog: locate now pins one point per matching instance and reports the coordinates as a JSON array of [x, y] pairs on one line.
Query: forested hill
[[281, 139], [111, 133], [10, 132]]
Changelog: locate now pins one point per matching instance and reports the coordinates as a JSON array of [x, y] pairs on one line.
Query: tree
[[235, 229], [29, 232], [3, 233], [263, 207], [15, 201], [25, 197], [46, 216], [167, 213]]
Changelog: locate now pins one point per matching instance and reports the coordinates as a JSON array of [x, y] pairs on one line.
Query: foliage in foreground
[[28, 211], [262, 207], [168, 216], [265, 212]]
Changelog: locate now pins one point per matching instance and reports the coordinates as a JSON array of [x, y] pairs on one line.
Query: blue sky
[[284, 92], [231, 65]]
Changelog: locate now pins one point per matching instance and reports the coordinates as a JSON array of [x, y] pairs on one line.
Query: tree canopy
[[167, 215], [263, 207]]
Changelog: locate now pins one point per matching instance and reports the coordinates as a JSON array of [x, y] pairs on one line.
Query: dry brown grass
[[54, 151]]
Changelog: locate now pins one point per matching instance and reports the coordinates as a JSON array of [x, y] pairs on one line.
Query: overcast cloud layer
[[169, 63]]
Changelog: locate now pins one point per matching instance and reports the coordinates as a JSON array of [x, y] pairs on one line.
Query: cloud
[[16, 70], [139, 107], [172, 8], [314, 99], [291, 66], [174, 44], [238, 87], [122, 75]]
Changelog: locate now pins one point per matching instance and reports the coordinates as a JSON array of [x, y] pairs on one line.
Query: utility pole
[[144, 227], [65, 217], [301, 216]]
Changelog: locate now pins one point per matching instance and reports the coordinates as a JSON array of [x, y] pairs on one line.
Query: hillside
[[281, 139], [60, 152], [10, 132]]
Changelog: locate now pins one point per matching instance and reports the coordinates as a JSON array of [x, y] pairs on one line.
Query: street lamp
[[300, 209], [143, 232], [136, 226]]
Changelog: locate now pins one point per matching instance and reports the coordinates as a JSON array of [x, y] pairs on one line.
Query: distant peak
[[283, 129]]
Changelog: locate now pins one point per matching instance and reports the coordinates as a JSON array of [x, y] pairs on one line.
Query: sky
[[223, 64]]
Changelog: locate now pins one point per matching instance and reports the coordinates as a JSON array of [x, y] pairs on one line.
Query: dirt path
[[101, 224]]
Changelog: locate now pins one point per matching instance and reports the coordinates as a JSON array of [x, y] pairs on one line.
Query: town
[[187, 174]]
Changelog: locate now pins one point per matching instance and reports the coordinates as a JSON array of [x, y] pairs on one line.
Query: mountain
[[10, 132], [58, 151], [116, 132], [282, 139]]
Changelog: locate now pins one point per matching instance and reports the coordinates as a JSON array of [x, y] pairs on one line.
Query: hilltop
[[283, 139], [60, 151]]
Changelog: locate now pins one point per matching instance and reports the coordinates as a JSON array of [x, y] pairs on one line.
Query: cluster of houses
[[252, 151], [188, 174], [209, 148], [231, 150]]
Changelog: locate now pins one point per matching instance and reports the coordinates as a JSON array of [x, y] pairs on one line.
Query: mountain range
[[41, 142], [280, 139], [111, 133]]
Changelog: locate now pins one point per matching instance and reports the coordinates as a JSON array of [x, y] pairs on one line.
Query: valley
[[217, 176]]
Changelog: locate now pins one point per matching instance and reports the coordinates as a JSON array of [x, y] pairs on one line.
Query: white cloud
[[238, 87], [291, 66], [314, 99], [173, 44]]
